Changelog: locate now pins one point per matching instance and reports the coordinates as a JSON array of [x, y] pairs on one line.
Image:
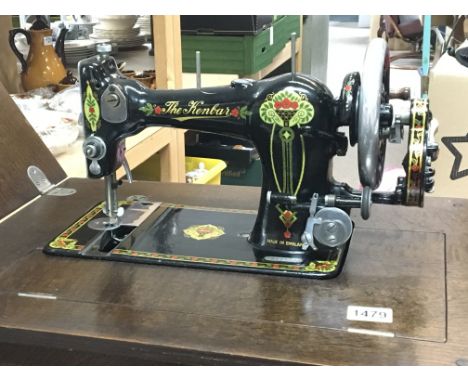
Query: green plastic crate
[[240, 55]]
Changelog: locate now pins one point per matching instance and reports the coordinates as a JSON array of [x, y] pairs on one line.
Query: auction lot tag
[[369, 314], [48, 40]]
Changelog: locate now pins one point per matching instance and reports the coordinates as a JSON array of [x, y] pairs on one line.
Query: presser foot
[[105, 224]]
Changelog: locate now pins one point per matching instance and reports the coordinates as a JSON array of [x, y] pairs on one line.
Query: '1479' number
[[367, 313]]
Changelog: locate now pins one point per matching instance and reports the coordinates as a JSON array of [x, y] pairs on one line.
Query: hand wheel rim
[[371, 147]]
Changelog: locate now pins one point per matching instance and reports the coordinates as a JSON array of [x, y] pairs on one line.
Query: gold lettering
[[192, 107], [196, 108], [293, 244], [173, 108]]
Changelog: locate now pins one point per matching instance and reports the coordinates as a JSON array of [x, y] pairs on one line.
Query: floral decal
[[348, 88], [324, 266], [288, 218], [203, 232], [91, 109], [416, 138], [241, 112], [65, 243], [149, 109], [286, 109]]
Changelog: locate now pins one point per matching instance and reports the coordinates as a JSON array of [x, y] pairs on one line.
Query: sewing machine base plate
[[188, 236], [185, 236]]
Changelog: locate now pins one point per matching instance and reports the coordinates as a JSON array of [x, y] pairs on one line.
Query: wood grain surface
[[412, 260], [20, 147]]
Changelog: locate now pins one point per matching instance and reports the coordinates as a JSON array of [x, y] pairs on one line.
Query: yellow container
[[213, 167], [151, 169]]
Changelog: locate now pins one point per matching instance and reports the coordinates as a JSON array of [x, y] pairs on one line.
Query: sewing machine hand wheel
[[374, 92]]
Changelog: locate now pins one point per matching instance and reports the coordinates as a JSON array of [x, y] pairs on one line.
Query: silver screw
[[331, 227], [90, 151], [113, 100], [332, 239]]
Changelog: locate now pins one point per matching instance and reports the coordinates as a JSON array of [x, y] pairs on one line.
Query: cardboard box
[[448, 97]]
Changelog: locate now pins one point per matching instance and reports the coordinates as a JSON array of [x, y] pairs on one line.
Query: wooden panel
[[168, 64], [8, 69], [20, 147], [167, 52], [228, 316]]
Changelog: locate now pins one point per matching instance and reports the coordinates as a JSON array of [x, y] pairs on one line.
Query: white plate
[[118, 22], [79, 44], [139, 41], [80, 53], [91, 46], [73, 59], [81, 50], [115, 35], [134, 39], [134, 30]]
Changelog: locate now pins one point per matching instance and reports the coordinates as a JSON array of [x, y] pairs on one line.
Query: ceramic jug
[[45, 63]]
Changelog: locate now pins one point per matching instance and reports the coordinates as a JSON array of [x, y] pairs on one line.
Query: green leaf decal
[[147, 109], [91, 109], [244, 112], [268, 114], [304, 115]]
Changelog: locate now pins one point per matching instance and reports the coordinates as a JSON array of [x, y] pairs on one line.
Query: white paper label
[[271, 35], [369, 314], [48, 40]]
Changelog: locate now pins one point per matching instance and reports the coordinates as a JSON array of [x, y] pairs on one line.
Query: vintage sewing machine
[[302, 226]]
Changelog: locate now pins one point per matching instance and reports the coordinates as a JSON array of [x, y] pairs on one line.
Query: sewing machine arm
[[293, 121]]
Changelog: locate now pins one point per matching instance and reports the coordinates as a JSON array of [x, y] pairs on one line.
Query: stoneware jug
[[45, 63]]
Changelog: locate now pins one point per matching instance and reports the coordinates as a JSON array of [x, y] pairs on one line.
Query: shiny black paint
[[348, 105], [320, 136]]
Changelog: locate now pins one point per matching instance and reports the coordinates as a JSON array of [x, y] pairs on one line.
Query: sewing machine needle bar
[[111, 207]]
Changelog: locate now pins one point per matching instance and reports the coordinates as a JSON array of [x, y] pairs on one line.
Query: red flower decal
[[235, 112], [157, 110], [287, 234], [288, 214], [348, 88], [286, 104], [91, 109]]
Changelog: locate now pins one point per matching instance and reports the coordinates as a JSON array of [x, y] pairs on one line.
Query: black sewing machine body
[[293, 120]]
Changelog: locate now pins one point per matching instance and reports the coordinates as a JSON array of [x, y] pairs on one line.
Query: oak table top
[[79, 311]]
